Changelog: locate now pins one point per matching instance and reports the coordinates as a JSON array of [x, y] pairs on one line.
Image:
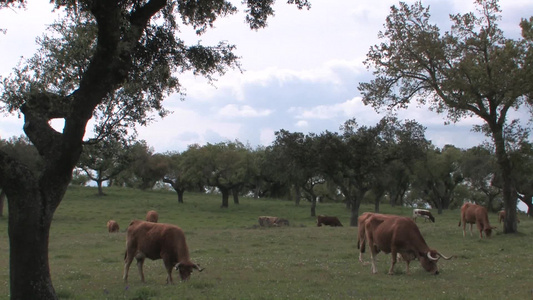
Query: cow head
[[185, 269], [429, 260], [488, 231]]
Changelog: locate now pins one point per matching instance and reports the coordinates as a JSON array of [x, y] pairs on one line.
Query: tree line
[[391, 162]]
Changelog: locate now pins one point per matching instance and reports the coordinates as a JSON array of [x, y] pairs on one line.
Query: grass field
[[243, 261]]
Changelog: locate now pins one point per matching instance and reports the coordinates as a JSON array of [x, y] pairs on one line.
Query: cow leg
[[168, 266], [393, 256], [471, 225], [140, 262], [127, 262], [373, 261]]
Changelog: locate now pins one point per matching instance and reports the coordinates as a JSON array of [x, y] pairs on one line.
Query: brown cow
[[473, 213], [152, 216], [268, 221], [424, 213], [501, 217], [112, 226], [361, 236], [399, 235], [155, 241], [328, 221]]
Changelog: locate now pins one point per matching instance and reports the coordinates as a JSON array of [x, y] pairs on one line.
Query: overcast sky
[[300, 73]]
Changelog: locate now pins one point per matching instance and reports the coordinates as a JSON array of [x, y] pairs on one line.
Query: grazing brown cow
[[501, 217], [399, 235], [424, 213], [155, 241], [152, 216], [112, 226], [328, 221], [473, 213], [361, 236], [267, 221]]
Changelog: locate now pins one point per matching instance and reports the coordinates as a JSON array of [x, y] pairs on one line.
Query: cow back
[[154, 238]]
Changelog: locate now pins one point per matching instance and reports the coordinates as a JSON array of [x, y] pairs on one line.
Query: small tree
[[103, 161]]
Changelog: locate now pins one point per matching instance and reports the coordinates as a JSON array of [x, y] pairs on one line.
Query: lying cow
[[424, 213], [112, 226], [152, 216], [328, 221], [473, 213], [501, 217], [267, 221], [155, 241], [399, 235]]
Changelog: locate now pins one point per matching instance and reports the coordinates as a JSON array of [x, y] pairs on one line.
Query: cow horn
[[178, 266], [446, 258], [431, 257], [197, 266]]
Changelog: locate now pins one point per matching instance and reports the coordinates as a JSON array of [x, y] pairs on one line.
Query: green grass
[[243, 261]]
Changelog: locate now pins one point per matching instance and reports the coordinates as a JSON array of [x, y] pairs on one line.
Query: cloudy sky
[[299, 74]]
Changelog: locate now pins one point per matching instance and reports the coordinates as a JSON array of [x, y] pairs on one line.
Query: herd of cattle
[[397, 235]]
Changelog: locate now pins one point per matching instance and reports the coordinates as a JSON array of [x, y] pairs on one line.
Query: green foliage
[[22, 149], [243, 261]]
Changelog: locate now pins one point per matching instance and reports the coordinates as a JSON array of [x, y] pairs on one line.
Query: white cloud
[[233, 110], [348, 109], [302, 124]]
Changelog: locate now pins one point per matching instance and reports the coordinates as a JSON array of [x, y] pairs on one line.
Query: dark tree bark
[[235, 192], [2, 200], [180, 190], [313, 207], [225, 196]]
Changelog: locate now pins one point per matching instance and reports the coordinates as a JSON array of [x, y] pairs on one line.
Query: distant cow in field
[[501, 217], [152, 216], [328, 221], [156, 241], [399, 236], [424, 213], [473, 213], [268, 221], [112, 226]]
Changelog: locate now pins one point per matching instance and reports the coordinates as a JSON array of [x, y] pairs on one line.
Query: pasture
[[243, 261]]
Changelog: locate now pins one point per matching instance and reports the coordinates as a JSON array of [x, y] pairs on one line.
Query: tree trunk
[[313, 207], [509, 194], [29, 231], [180, 194], [298, 194], [225, 197], [100, 188], [235, 193], [354, 213], [356, 202], [2, 200]]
